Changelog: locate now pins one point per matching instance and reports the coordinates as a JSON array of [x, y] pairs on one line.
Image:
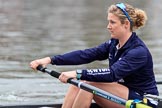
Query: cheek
[[117, 31], [115, 27]]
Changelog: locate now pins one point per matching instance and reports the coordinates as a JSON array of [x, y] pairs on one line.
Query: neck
[[124, 38]]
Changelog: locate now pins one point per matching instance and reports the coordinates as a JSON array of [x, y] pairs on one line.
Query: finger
[[62, 78], [34, 64], [59, 78]]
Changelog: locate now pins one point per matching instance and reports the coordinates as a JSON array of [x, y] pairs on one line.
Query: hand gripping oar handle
[[94, 90]]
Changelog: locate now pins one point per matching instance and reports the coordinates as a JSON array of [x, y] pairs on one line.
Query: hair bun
[[140, 18]]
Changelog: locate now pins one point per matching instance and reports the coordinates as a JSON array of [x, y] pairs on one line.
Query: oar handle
[[159, 82], [51, 72]]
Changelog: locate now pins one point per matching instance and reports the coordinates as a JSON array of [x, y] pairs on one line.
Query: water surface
[[31, 29]]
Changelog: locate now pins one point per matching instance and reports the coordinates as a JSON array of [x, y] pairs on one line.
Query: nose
[[108, 26]]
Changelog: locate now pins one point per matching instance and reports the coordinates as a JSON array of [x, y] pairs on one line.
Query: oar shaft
[[102, 93], [87, 87]]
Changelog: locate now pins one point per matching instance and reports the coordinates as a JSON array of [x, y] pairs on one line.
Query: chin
[[113, 36]]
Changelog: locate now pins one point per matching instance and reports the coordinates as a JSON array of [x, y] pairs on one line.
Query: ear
[[127, 24]]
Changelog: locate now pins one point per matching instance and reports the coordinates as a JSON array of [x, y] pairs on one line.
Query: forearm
[[71, 58], [98, 75], [78, 57]]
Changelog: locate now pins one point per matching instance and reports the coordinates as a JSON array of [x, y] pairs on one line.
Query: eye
[[111, 22]]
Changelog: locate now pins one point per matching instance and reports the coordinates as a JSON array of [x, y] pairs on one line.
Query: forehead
[[111, 16]]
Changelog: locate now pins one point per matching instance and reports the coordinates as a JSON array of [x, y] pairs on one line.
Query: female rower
[[130, 72]]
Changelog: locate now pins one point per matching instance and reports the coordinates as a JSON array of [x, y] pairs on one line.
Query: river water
[[31, 29]]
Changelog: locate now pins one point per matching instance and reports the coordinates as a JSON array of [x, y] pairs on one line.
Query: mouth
[[111, 32]]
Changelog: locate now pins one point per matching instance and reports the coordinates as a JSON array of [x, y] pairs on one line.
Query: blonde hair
[[137, 16]]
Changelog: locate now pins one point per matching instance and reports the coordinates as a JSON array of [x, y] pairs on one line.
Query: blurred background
[[32, 29]]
